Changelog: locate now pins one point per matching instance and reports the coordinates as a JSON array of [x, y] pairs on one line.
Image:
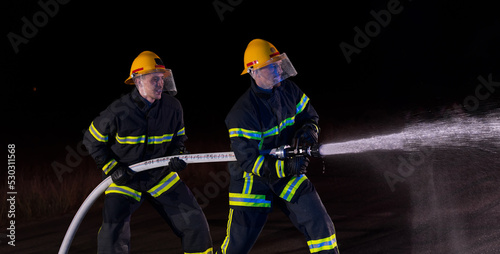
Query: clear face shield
[[273, 71], [159, 80], [169, 83]]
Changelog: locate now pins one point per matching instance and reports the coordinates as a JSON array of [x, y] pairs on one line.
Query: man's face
[[151, 86], [268, 76]]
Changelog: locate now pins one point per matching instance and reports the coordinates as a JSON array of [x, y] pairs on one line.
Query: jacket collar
[[259, 91], [140, 101], [263, 93]]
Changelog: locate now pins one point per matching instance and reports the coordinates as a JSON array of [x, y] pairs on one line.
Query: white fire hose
[[280, 153], [142, 166]]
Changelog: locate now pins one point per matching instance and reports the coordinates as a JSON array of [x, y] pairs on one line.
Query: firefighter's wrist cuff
[[110, 167]]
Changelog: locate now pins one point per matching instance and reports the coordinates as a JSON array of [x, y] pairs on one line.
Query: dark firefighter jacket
[[258, 121], [130, 131]]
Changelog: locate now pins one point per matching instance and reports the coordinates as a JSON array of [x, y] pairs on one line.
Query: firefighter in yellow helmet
[[273, 112], [142, 125]]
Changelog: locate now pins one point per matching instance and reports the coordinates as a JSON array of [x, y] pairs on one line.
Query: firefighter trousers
[[307, 214], [177, 206]]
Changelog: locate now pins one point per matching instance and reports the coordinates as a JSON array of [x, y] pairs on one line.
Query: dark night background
[[429, 54], [426, 59]]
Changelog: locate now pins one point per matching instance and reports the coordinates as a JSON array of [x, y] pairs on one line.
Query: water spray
[[460, 131]]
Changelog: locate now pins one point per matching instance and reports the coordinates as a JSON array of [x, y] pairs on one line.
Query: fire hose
[[280, 153]]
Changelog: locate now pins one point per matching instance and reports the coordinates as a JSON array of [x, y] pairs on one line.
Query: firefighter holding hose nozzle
[[273, 112]]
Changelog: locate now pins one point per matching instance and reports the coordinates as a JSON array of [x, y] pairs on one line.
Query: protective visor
[[168, 80], [274, 70]]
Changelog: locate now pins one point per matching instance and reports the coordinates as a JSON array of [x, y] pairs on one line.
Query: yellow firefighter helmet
[[146, 62], [257, 54]]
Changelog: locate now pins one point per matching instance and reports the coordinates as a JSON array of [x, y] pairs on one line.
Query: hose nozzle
[[314, 151], [286, 151]]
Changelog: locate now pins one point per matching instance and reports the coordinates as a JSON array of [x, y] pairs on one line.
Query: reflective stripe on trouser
[[124, 190], [248, 200], [164, 185], [251, 192], [208, 251], [309, 215], [306, 212], [328, 243], [243, 229], [177, 206], [288, 193]]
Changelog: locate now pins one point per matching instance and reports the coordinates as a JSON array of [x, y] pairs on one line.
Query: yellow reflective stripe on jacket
[[249, 134], [291, 187], [109, 166], [280, 168], [257, 135], [132, 140], [96, 134], [160, 139], [258, 165], [271, 132], [302, 104], [208, 251], [328, 243], [181, 132], [247, 187], [250, 200], [287, 122], [124, 190], [164, 185]]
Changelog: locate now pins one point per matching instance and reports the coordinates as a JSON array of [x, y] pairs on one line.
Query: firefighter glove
[[296, 165], [122, 174], [307, 134], [175, 164]]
